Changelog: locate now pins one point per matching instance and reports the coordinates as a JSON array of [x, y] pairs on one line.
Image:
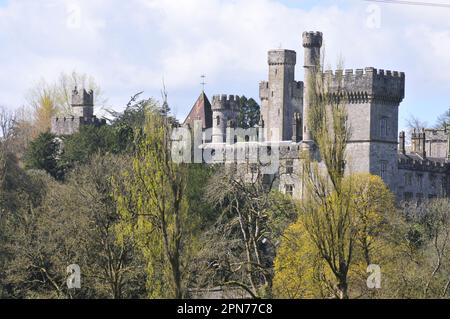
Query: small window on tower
[[289, 167], [289, 189], [218, 120], [383, 169], [408, 179], [420, 180]]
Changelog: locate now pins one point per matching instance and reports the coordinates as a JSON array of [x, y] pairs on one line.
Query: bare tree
[[7, 121], [443, 120], [240, 248]]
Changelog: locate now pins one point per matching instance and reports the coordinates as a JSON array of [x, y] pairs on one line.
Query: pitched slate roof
[[200, 111]]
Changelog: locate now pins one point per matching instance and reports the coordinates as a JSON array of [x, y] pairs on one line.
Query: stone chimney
[[414, 141], [402, 147], [423, 152]]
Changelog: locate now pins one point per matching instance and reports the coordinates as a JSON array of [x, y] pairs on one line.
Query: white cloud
[[131, 45]]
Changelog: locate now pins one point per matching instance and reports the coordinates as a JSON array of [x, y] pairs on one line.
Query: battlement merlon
[[82, 120], [423, 165], [370, 83], [225, 102], [83, 98], [281, 57]]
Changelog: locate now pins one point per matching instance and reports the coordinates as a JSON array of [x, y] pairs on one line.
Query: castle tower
[[224, 112], [83, 103], [312, 43], [281, 96], [82, 115], [372, 99]]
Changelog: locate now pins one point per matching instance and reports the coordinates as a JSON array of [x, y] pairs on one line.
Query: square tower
[[372, 100], [83, 103], [281, 96]]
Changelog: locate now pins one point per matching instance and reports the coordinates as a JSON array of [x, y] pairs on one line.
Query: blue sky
[[130, 46]]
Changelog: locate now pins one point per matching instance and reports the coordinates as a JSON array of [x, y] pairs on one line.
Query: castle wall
[[418, 182], [291, 181], [437, 143], [383, 162], [70, 125], [372, 99], [357, 155], [65, 125]]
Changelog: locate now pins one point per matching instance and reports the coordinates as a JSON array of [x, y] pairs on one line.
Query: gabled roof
[[200, 111]]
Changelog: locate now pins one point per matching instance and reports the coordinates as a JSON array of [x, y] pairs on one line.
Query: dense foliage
[[111, 200]]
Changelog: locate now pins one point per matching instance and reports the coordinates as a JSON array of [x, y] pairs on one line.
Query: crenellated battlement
[[427, 165], [82, 98], [369, 84], [282, 57], [71, 124], [312, 39], [366, 71], [225, 102], [83, 120]]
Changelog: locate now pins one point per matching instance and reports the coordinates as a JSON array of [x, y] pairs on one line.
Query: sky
[[135, 45]]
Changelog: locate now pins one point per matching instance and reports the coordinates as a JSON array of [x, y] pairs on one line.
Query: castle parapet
[[82, 98], [282, 56], [425, 165], [225, 102], [312, 39], [369, 84], [71, 124]]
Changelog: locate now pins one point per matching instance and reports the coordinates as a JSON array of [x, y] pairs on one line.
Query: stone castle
[[82, 114], [372, 102]]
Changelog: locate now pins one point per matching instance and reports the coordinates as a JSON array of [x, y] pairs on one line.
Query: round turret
[[312, 39], [225, 109], [224, 102]]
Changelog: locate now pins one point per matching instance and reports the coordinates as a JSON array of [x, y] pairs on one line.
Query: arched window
[[217, 120]]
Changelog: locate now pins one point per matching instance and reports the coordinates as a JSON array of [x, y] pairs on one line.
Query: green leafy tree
[[57, 224], [78, 148], [153, 205], [42, 154], [326, 208], [249, 113], [303, 261]]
